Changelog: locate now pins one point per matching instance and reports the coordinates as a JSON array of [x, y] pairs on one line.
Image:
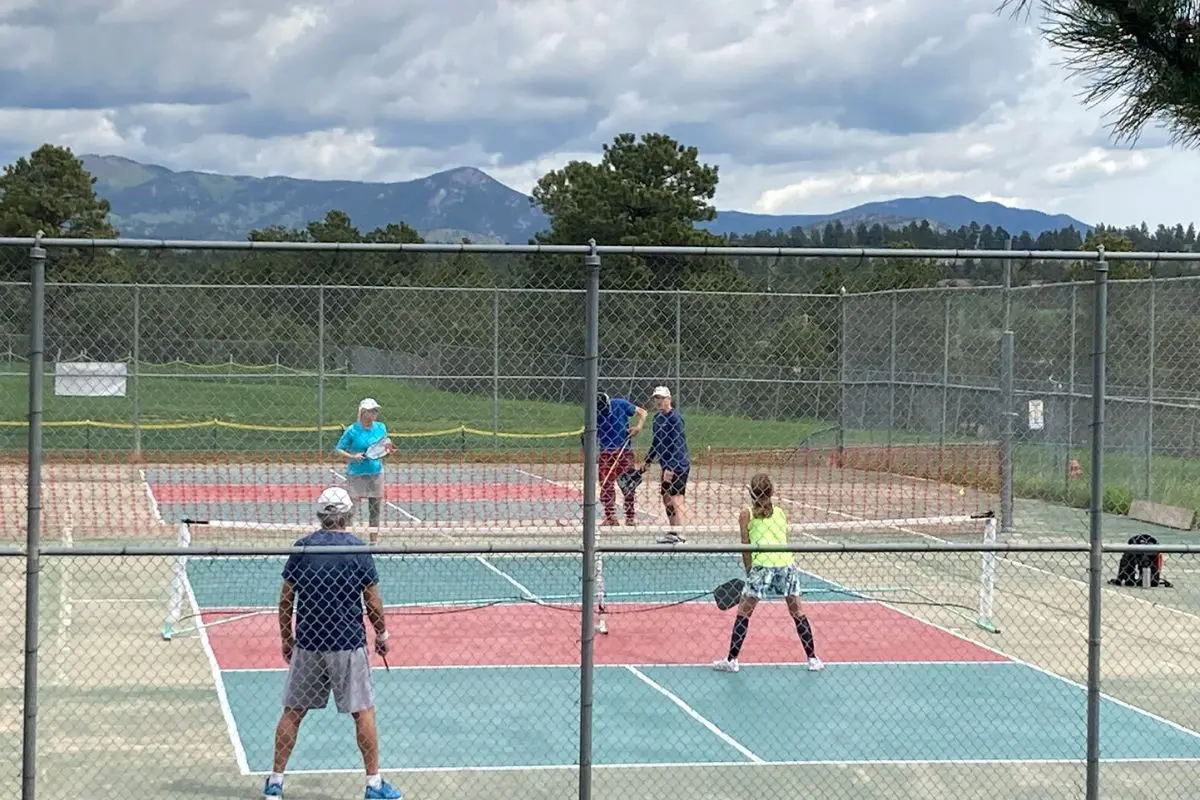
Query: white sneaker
[[726, 665], [815, 665], [670, 538]]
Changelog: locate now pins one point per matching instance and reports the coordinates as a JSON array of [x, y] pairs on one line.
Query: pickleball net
[[221, 588]]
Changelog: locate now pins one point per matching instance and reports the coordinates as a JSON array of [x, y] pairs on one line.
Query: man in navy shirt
[[614, 437], [326, 593], [668, 446]]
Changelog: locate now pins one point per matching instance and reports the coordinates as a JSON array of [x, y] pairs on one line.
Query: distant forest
[[923, 235]]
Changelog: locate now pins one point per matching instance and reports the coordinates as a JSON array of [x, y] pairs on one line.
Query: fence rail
[[957, 465]]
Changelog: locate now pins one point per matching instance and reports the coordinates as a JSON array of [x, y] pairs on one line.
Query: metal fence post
[[943, 424], [1007, 416], [591, 363], [37, 346], [892, 369], [841, 373], [1071, 396], [321, 368], [1096, 508], [496, 365], [135, 374], [1150, 397], [678, 345], [1007, 398]]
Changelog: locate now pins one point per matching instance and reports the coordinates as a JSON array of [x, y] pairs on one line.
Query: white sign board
[[1037, 415], [89, 378]]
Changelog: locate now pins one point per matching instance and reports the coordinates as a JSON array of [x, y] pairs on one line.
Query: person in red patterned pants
[[614, 436]]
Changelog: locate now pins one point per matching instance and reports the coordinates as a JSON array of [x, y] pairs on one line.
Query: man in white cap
[[327, 652], [364, 476], [668, 446]]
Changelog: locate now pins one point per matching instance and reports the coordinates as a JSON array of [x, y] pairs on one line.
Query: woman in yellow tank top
[[764, 524]]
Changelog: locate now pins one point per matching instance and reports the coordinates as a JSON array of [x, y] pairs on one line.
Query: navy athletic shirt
[[329, 587], [669, 444]]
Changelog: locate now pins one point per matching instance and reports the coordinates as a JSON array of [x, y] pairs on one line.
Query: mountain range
[[153, 202]]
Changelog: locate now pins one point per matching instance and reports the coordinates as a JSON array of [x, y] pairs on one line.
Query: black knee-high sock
[[740, 626], [806, 635]]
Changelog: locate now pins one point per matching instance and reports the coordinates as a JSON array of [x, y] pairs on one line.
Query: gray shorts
[[362, 486], [312, 675]]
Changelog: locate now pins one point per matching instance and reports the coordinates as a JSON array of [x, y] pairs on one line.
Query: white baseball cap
[[661, 391], [368, 404], [334, 500]]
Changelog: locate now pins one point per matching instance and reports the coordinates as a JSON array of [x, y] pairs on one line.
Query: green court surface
[[430, 580], [527, 717]]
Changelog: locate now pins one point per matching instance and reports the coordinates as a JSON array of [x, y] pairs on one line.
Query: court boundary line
[[231, 729], [694, 714], [1014, 659], [916, 762]]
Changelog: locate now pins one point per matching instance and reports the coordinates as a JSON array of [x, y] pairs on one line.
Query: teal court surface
[[484, 675]]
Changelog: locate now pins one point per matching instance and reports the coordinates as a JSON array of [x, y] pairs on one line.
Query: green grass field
[[269, 410], [274, 412]]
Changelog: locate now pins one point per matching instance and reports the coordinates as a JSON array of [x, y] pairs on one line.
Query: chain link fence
[[931, 447]]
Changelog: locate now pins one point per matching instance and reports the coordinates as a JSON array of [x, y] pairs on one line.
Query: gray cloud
[[805, 105]]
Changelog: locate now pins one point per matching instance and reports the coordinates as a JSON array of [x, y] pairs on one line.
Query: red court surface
[[531, 635], [396, 493]]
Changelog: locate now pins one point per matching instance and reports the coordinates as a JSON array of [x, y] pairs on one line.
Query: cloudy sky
[[806, 106]]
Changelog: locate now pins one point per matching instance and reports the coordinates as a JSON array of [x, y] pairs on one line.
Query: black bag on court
[[1129, 571]]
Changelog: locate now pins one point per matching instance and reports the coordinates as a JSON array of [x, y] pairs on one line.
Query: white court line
[[691, 712], [971, 762], [235, 737], [544, 479], [65, 613], [154, 509], [231, 727]]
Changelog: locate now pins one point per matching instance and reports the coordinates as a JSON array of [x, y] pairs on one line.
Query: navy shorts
[[677, 486]]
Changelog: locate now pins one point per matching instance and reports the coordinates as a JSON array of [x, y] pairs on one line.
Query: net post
[[33, 533], [987, 587], [1095, 560], [177, 589], [590, 477]]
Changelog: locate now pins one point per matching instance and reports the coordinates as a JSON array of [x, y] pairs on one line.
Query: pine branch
[[1143, 53]]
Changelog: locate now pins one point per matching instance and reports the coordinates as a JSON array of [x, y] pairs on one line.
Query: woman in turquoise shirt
[[364, 476]]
